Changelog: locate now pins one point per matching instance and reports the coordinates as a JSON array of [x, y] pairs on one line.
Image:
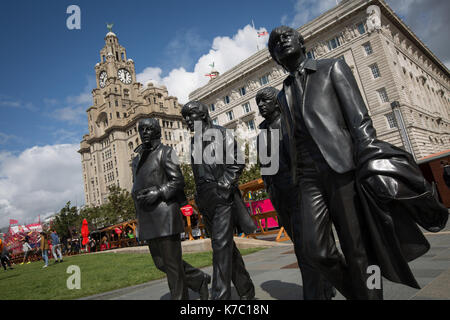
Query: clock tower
[[119, 101]]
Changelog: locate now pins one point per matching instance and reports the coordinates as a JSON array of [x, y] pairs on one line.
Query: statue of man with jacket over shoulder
[[216, 170], [158, 193]]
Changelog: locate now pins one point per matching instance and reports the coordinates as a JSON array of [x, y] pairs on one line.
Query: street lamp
[[395, 105]]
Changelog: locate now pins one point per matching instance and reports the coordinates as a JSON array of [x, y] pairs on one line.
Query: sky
[[47, 72]]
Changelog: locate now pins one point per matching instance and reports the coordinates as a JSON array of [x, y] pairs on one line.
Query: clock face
[[124, 76], [102, 79]]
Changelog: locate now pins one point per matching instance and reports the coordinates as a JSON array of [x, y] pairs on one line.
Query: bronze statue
[[372, 192], [219, 200], [158, 193], [282, 191]]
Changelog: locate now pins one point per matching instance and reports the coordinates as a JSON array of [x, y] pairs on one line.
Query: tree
[[120, 206], [189, 183], [67, 218]]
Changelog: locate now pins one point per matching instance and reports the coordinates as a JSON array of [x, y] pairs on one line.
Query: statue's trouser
[[167, 256], [326, 198], [228, 264], [285, 201]]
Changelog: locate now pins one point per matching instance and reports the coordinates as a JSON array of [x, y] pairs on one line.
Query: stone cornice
[[410, 34], [313, 28]]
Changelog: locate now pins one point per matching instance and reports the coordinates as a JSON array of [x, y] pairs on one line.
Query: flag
[[260, 34], [12, 221]]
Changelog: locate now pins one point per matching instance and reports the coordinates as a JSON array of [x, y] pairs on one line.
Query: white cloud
[[39, 181], [5, 138], [428, 19], [76, 105], [305, 11], [9, 102], [225, 52]]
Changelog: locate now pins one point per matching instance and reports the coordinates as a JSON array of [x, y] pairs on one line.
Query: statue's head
[[267, 102], [149, 129], [285, 43], [195, 111]]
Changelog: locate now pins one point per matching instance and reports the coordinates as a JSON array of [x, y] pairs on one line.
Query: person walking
[[4, 258], [26, 250], [56, 247], [44, 248]]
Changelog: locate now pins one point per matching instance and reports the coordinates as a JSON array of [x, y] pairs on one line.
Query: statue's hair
[[275, 34], [268, 93], [153, 122], [197, 105]]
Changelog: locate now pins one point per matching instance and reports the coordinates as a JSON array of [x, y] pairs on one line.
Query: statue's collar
[[307, 64]]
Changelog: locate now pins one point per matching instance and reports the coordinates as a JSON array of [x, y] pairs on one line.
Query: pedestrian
[[92, 244], [56, 247], [26, 250], [44, 248], [4, 258]]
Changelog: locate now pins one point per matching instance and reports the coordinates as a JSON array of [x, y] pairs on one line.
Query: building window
[[264, 80], [375, 70], [391, 120], [212, 107], [383, 95], [361, 28], [251, 125], [242, 91], [310, 54], [214, 121], [118, 115], [226, 99], [246, 107], [230, 115], [367, 48], [175, 104], [126, 93], [333, 43]]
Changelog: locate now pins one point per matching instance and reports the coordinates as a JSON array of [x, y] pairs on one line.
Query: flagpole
[[257, 46]]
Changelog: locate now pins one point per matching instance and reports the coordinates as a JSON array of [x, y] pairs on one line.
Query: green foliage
[[67, 218], [119, 208], [189, 183]]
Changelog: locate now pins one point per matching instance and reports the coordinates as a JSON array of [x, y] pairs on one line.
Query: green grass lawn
[[99, 273]]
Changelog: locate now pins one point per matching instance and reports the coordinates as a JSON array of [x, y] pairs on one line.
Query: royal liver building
[[405, 86], [118, 102]]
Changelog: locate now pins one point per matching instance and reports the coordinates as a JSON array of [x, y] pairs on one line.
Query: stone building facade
[[119, 101], [389, 61]]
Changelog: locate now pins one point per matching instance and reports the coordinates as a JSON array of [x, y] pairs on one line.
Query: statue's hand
[[149, 196], [224, 190]]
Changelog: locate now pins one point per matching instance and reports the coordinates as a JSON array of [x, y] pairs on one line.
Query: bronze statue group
[[332, 171]]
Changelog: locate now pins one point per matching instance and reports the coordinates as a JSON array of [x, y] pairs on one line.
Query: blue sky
[[47, 72], [45, 63]]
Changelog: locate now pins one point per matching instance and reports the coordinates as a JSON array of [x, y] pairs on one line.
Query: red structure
[[433, 171]]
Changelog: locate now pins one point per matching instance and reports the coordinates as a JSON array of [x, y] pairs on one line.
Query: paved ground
[[276, 276]]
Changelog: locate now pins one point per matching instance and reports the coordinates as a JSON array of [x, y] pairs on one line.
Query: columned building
[[119, 101], [405, 86]]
